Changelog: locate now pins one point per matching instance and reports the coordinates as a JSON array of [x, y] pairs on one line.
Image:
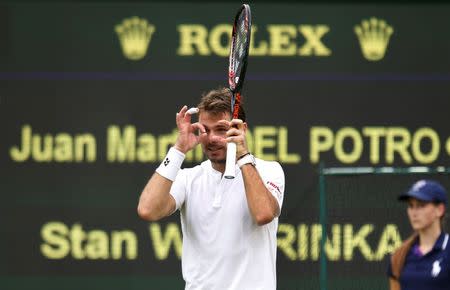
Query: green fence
[[364, 222]]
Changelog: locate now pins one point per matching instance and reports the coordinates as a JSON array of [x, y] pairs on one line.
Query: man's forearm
[[262, 204], [155, 201]]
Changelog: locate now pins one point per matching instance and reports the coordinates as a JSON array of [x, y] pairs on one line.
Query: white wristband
[[171, 164]]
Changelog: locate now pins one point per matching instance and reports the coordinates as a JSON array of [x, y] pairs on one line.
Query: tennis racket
[[240, 44]]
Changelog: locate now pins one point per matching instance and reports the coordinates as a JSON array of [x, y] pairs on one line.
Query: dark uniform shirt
[[427, 272]]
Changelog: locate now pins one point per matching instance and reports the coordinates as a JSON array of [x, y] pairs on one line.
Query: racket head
[[239, 49]]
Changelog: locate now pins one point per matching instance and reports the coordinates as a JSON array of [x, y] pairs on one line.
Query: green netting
[[364, 222]]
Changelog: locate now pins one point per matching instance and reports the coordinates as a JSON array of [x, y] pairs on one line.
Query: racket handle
[[230, 165]]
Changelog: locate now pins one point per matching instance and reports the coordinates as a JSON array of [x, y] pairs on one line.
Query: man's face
[[214, 141]]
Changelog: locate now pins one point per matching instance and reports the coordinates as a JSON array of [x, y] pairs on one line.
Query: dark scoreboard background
[[83, 127]]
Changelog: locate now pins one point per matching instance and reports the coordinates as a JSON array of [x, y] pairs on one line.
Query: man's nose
[[215, 137]]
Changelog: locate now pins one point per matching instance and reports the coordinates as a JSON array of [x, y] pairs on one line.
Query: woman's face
[[422, 215]]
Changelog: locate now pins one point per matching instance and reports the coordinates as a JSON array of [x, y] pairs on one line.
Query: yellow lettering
[[316, 237], [390, 240], [332, 247], [55, 245], [259, 50], [421, 134], [352, 241], [97, 245], [126, 239], [146, 150], [63, 148], [283, 154], [398, 140], [286, 242], [42, 151], [121, 147], [374, 134], [162, 243], [447, 146], [264, 138], [193, 40], [321, 140], [355, 154], [77, 236], [20, 155], [59, 241], [85, 143], [314, 45], [249, 139], [303, 242], [215, 39], [281, 43], [165, 141]]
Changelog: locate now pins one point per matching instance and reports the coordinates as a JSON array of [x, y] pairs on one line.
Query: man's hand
[[187, 137], [236, 133]]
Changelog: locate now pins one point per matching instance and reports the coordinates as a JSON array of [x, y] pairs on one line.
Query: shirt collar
[[207, 165], [442, 242]]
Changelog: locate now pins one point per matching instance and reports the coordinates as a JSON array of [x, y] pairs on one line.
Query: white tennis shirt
[[223, 248]]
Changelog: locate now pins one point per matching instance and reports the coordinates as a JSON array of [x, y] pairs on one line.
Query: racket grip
[[230, 165]]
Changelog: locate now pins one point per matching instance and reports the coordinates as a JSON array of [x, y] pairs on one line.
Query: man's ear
[[245, 127]]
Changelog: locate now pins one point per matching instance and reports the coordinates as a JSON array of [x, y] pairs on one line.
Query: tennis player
[[229, 225], [423, 261]]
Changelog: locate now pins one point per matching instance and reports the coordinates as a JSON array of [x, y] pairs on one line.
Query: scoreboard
[[88, 95]]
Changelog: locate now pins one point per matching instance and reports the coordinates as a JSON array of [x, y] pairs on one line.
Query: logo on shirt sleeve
[[272, 185]]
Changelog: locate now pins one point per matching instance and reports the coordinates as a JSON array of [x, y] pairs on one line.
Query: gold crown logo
[[134, 34], [373, 36]]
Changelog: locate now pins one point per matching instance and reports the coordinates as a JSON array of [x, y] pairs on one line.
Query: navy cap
[[426, 190]]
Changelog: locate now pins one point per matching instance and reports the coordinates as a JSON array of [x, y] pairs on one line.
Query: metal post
[[322, 220]]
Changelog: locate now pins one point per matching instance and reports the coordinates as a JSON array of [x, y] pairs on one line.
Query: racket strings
[[240, 43], [241, 35]]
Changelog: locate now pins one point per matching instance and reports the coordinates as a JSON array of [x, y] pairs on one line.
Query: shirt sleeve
[[178, 189], [273, 177]]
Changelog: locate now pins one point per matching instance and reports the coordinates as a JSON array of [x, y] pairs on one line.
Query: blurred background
[[88, 96]]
